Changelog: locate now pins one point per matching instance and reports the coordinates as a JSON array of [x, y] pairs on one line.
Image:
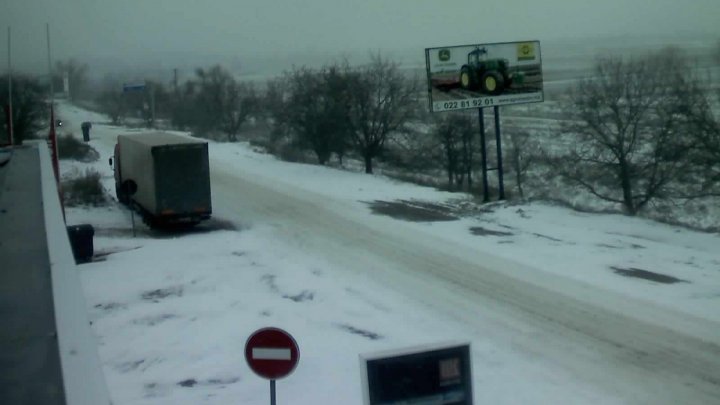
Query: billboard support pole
[[469, 160], [501, 185], [483, 151]]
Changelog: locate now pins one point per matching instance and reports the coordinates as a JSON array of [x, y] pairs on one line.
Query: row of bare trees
[[214, 103], [636, 131], [29, 112], [642, 130], [337, 108], [29, 98], [211, 104]]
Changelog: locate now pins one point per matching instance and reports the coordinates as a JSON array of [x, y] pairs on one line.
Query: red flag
[[53, 144], [8, 119], [56, 166]]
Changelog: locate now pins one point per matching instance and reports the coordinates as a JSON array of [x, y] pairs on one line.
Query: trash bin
[[81, 240], [85, 126]]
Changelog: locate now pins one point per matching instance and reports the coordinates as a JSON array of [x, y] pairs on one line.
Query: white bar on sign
[[264, 353]]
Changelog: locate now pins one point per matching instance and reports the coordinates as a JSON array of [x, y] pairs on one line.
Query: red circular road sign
[[271, 353]]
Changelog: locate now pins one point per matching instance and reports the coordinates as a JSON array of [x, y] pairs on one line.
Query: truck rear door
[[182, 180]]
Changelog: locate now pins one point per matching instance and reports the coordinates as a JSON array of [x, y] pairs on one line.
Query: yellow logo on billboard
[[444, 55], [526, 51]]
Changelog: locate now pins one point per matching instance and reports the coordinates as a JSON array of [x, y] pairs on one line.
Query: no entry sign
[[271, 353]]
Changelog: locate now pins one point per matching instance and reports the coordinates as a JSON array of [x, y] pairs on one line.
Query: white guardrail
[[83, 376]]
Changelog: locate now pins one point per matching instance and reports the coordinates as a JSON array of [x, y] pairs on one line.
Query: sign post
[[272, 354], [136, 86]]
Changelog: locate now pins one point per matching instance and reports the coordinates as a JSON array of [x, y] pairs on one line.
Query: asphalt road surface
[[29, 359], [631, 350]]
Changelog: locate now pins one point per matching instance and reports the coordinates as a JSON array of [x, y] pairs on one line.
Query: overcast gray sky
[[166, 32]]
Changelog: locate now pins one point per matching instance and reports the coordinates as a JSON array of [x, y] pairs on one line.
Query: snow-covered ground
[[172, 312]]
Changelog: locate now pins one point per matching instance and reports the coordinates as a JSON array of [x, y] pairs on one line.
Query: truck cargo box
[[171, 172]]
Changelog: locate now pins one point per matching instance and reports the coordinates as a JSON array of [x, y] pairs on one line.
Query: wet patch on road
[[162, 293], [110, 306], [171, 231], [647, 275], [640, 237], [480, 231], [139, 365], [305, 295], [414, 211], [129, 366], [361, 332], [191, 382], [631, 245], [550, 238], [270, 281], [153, 320], [210, 225]]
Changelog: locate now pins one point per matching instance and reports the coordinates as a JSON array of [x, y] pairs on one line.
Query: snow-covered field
[[172, 312]]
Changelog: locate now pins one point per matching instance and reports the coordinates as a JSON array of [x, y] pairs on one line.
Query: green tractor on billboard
[[490, 76]]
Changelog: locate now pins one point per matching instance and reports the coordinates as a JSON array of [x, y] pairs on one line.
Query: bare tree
[[312, 106], [77, 77], [29, 111], [705, 122], [183, 113], [112, 104], [109, 99], [521, 156], [274, 109], [455, 132], [629, 123], [242, 102], [382, 101], [221, 103]]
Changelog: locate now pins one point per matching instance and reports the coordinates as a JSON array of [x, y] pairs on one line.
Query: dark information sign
[[427, 375]]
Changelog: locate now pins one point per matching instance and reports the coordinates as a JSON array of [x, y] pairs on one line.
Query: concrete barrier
[[83, 377]]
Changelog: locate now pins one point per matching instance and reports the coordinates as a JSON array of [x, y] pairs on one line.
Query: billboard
[[484, 75], [430, 375]]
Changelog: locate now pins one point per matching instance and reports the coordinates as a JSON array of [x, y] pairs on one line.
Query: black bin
[[81, 240]]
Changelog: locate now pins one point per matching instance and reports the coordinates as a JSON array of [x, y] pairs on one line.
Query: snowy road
[[630, 349], [562, 327]]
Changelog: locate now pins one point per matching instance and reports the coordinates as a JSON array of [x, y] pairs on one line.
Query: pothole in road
[[414, 211], [647, 275]]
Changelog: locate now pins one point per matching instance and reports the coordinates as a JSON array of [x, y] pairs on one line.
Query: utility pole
[[152, 104], [10, 109], [52, 134], [52, 90]]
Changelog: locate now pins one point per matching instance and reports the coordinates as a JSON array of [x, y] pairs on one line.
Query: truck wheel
[[122, 198], [492, 83], [467, 81]]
